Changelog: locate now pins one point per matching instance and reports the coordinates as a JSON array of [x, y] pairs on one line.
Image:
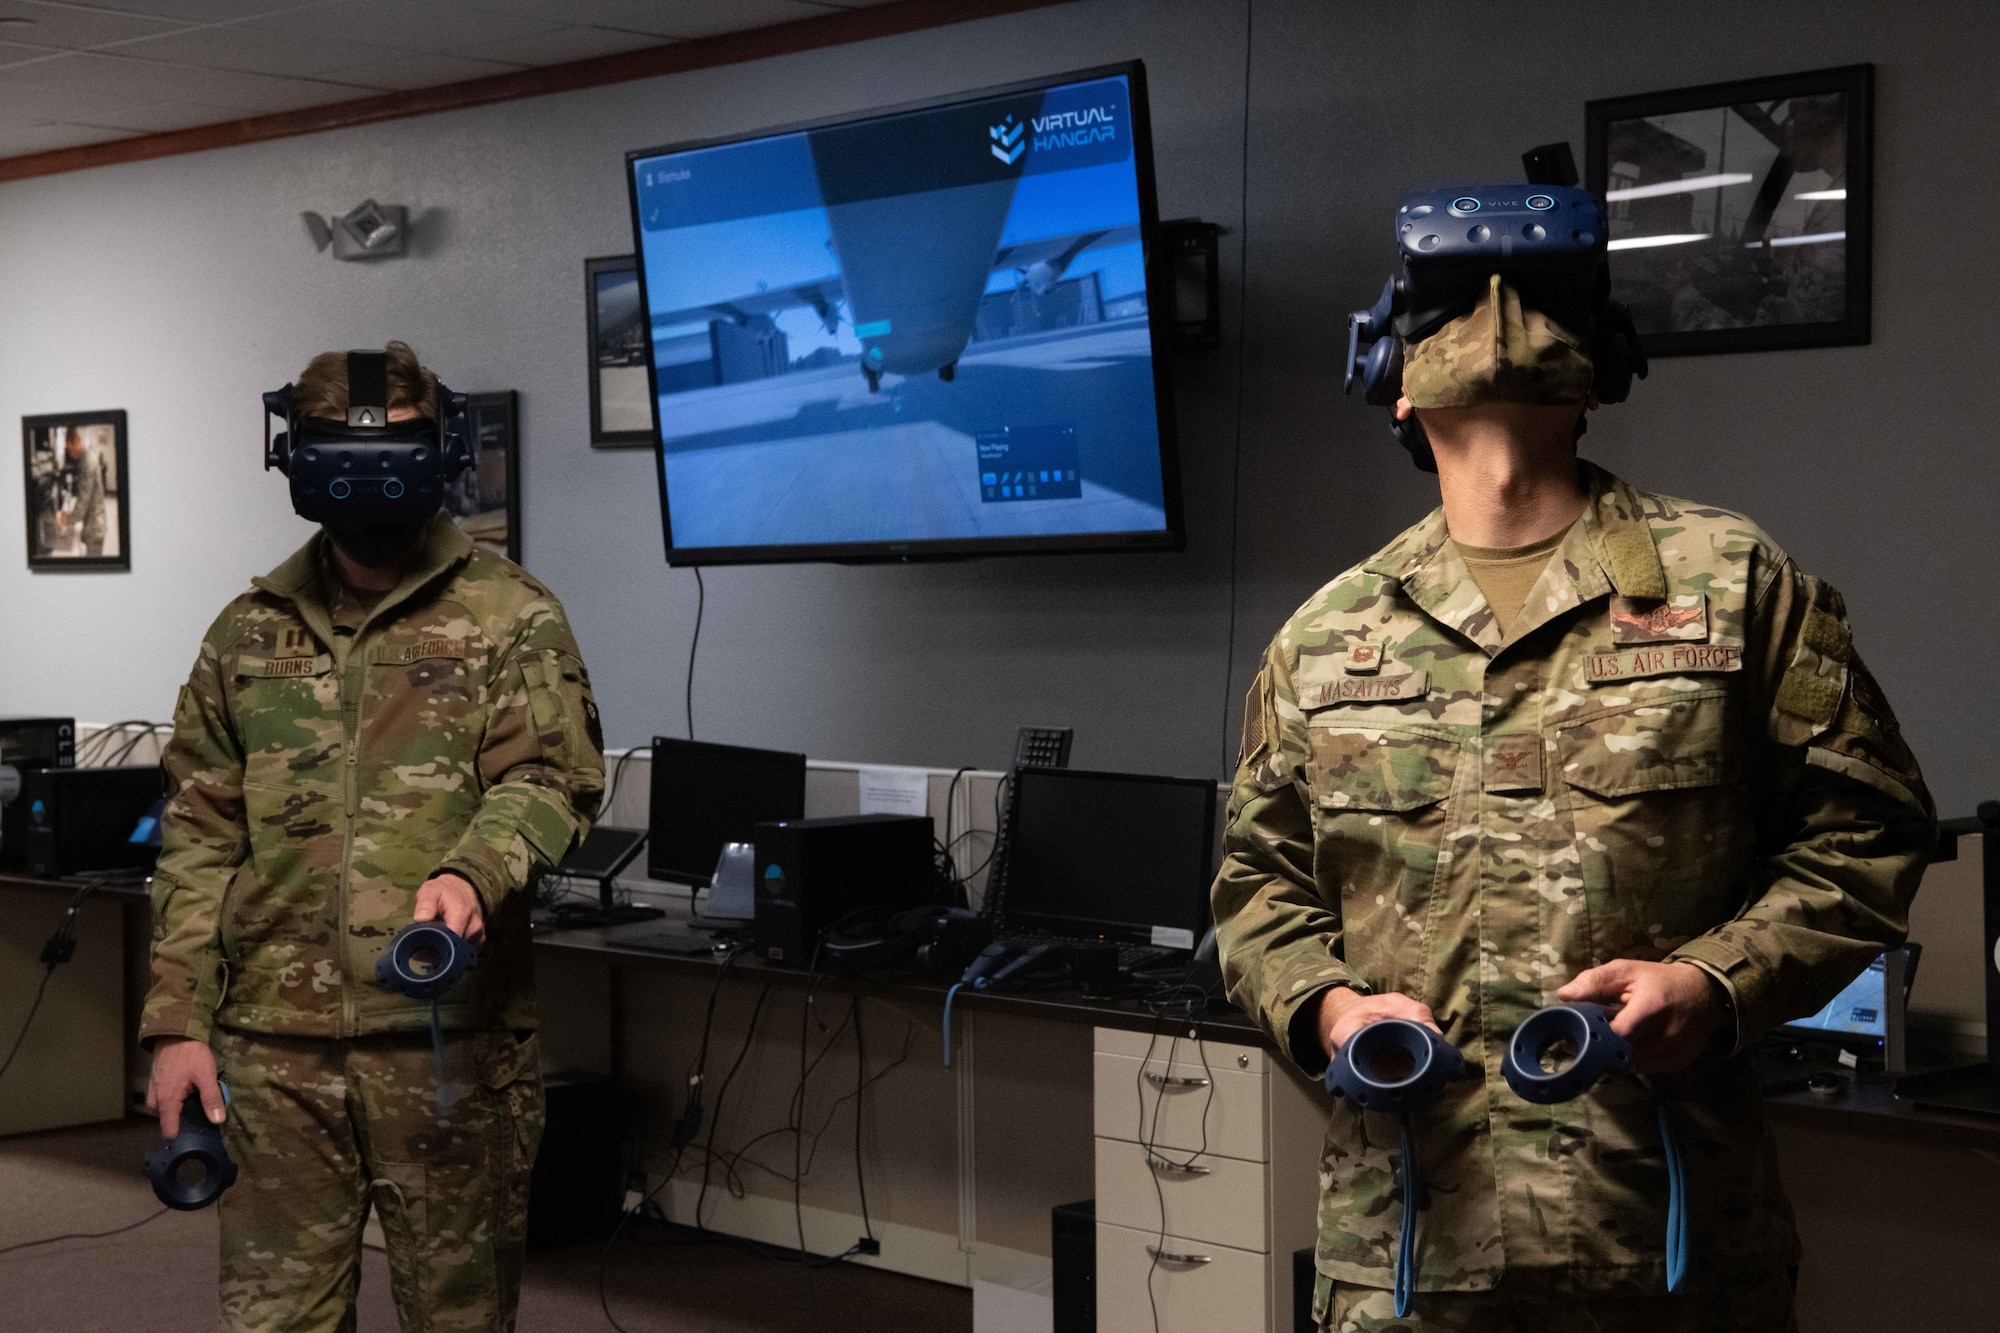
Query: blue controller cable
[[1600, 1053], [1356, 1073]]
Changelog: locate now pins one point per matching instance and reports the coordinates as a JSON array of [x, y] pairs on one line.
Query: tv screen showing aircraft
[[923, 332]]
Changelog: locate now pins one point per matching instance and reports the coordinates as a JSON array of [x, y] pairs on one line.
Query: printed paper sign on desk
[[894, 791]]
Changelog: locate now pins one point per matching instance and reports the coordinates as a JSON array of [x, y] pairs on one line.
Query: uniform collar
[[297, 580], [1610, 549]]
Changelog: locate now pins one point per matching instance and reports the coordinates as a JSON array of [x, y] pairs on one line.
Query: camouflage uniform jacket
[[1676, 755], [321, 775]]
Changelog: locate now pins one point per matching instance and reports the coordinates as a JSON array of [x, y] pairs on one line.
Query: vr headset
[[366, 469], [1548, 241]]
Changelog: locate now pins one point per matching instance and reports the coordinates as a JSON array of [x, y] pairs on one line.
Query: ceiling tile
[[203, 11], [410, 26], [564, 44], [69, 27], [422, 71], [46, 138], [664, 18], [258, 50], [89, 75]]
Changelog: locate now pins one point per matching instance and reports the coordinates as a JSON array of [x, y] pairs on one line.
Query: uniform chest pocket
[[286, 708], [1662, 833], [1382, 810]]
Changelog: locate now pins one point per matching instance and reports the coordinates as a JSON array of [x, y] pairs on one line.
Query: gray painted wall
[[179, 289]]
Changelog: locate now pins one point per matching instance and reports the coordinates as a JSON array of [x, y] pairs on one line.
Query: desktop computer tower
[[816, 873], [576, 1193], [1073, 1258], [26, 744]]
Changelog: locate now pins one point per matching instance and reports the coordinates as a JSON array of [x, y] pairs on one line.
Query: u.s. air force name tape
[[1665, 659]]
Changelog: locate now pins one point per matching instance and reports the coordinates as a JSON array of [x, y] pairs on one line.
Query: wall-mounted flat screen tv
[[929, 331]]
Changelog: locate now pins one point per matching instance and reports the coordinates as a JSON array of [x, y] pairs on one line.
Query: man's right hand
[[180, 1063], [1344, 1012]]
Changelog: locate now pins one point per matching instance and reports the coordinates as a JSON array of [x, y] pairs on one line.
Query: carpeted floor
[[161, 1276]]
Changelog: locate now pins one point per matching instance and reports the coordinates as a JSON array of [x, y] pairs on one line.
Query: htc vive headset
[[1548, 241], [367, 469]]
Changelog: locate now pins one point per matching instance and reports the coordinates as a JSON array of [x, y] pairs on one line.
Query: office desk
[[74, 1066], [1051, 1098]]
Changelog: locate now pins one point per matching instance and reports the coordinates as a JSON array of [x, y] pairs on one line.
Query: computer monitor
[[927, 331], [1869, 1012], [705, 795], [1124, 856]]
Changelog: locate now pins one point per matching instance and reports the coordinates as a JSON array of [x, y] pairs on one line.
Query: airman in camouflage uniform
[[1672, 754], [328, 759]]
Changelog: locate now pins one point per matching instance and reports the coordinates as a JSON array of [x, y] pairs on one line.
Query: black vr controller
[[424, 960], [191, 1170], [367, 469], [1546, 240], [1393, 1065]]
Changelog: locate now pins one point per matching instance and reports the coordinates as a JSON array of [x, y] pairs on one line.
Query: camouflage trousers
[[1733, 1303], [323, 1130]]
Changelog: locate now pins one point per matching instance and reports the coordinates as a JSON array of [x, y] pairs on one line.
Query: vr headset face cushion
[[1502, 351]]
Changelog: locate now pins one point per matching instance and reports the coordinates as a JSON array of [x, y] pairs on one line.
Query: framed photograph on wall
[[1740, 212], [486, 498], [621, 400], [78, 514]]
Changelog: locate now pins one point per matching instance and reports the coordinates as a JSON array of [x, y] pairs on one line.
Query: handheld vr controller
[[1585, 1029], [1547, 240], [1397, 1066], [366, 468], [199, 1145], [424, 960], [1369, 1068]]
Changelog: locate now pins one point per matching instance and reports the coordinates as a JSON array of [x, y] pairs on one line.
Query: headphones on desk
[[1548, 241]]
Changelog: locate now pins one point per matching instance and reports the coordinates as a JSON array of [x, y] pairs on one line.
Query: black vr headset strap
[[367, 389], [278, 452]]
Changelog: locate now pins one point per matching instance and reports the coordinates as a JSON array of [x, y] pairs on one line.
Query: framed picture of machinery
[[621, 398], [486, 498], [79, 515], [1740, 212]]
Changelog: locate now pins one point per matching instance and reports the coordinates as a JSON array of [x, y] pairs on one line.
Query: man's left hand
[[1670, 1010], [451, 898]]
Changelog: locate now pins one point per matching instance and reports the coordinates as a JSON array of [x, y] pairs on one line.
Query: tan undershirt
[[1507, 575]]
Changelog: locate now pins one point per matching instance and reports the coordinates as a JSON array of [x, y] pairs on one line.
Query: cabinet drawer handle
[[1169, 1257], [1172, 1082], [1166, 1168]]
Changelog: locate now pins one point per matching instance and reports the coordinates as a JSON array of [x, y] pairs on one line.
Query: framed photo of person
[[486, 498], [621, 400], [1740, 212], [78, 500]]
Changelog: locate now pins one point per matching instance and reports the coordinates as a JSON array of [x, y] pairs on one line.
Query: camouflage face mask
[[1501, 351]]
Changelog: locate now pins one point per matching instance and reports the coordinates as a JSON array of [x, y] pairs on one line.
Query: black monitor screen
[[1117, 854], [706, 795], [923, 331]]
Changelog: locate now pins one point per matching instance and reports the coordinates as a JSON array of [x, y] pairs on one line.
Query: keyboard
[[684, 943]]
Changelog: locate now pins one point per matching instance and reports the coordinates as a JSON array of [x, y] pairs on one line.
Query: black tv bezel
[[1159, 321], [1070, 926]]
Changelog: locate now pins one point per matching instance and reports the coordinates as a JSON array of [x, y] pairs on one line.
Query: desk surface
[[1068, 1006], [1865, 1106]]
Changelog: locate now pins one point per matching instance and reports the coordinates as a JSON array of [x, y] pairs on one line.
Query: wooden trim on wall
[[854, 25]]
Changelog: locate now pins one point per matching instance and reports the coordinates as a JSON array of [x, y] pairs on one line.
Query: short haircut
[[321, 389]]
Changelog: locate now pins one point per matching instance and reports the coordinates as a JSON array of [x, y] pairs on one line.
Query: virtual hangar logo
[[1062, 129], [1007, 144]]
